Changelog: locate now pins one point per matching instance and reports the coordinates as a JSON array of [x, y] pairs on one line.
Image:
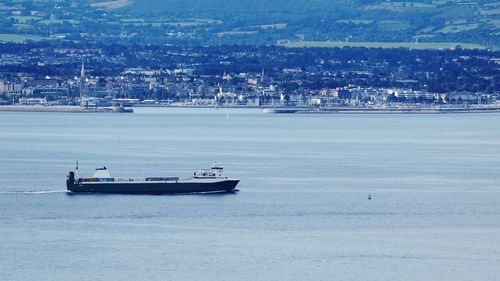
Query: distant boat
[[203, 181], [121, 109], [281, 110]]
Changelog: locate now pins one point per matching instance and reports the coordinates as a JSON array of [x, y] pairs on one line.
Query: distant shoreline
[[382, 110], [61, 109], [273, 110]]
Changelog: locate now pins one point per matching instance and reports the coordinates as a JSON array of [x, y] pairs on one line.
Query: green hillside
[[261, 22], [230, 6], [343, 20]]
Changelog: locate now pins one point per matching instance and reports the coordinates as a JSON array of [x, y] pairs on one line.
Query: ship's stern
[[70, 181]]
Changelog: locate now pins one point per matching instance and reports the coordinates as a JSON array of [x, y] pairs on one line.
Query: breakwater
[[66, 109], [381, 110]]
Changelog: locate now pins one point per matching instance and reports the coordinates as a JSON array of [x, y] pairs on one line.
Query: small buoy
[[369, 197]]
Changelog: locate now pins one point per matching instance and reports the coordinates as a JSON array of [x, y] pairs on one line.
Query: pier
[[64, 109]]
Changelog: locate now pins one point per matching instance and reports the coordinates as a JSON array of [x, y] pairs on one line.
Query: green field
[[330, 44], [420, 36], [399, 6], [132, 20], [271, 26], [439, 2], [409, 4], [458, 28], [157, 24], [185, 23], [494, 22], [427, 29], [28, 19], [59, 21], [355, 21], [493, 4], [393, 25], [21, 25], [208, 21], [19, 38], [110, 5], [230, 33], [24, 19], [490, 12]]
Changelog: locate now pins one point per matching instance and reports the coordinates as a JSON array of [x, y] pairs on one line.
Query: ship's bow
[[230, 185]]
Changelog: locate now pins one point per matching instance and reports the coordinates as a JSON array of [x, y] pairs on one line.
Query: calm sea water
[[301, 214]]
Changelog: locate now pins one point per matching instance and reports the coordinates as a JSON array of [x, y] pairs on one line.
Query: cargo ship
[[203, 181]]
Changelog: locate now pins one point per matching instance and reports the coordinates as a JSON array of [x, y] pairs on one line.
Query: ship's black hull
[[154, 187]]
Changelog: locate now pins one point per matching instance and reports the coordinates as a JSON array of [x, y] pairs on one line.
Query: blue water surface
[[302, 212]]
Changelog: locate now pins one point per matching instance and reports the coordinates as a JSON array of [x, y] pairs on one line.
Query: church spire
[[82, 72], [82, 83]]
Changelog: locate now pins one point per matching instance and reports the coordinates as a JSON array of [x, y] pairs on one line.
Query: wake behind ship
[[203, 181]]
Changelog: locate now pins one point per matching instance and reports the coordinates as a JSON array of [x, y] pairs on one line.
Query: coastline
[[273, 110], [382, 110], [61, 109]]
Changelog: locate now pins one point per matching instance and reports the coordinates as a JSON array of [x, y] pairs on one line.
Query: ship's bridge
[[216, 171], [101, 173]]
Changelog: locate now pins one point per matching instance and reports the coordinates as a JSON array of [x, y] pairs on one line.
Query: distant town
[[47, 74], [319, 54]]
